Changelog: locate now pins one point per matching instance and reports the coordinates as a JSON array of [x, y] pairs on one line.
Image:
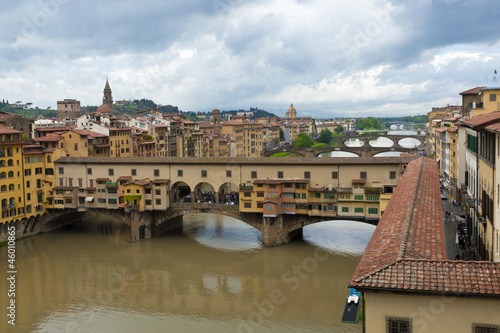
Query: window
[[254, 174], [38, 171], [156, 172], [28, 182], [358, 197], [398, 325], [28, 196], [27, 172], [228, 173], [260, 205], [493, 97], [287, 195], [203, 173], [76, 146], [345, 209], [307, 174], [288, 185], [39, 183], [358, 209], [372, 211], [80, 182], [179, 173], [113, 201], [335, 174], [247, 194], [133, 172], [269, 207], [158, 201], [157, 192], [315, 195], [89, 171], [392, 175], [111, 172], [372, 197], [272, 186], [280, 174], [247, 205], [362, 175], [260, 194]]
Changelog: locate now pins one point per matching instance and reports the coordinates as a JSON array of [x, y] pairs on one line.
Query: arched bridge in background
[[366, 150]]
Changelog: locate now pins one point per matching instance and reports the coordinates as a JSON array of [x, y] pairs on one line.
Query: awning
[[89, 199]]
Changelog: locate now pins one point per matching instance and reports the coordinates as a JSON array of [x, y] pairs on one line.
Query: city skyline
[[331, 59]]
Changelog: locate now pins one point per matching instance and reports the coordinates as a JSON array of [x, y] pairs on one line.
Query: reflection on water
[[212, 277], [381, 142], [409, 143], [354, 143], [338, 154], [388, 154]]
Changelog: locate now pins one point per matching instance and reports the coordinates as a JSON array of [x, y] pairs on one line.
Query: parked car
[[444, 196]]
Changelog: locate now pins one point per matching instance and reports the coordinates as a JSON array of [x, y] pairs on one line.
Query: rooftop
[[473, 91], [407, 250], [241, 160], [482, 120]]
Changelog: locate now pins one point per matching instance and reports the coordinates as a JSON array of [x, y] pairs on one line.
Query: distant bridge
[[366, 150]]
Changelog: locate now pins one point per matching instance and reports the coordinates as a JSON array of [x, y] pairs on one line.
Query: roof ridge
[[409, 217]]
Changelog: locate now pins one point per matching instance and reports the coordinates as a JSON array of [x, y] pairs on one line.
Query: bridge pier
[[277, 230]]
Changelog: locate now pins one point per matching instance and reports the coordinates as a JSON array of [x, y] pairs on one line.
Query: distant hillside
[[257, 113], [28, 113]]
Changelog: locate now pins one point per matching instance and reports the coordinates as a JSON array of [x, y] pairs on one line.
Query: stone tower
[[216, 121], [107, 101]]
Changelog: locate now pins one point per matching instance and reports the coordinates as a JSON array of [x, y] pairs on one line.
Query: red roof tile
[[8, 130], [473, 91], [407, 249], [482, 120]]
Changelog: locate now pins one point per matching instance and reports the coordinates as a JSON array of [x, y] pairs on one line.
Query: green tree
[[339, 129], [282, 134], [302, 141], [325, 136]]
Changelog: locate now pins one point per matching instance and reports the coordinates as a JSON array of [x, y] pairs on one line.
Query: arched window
[[11, 174], [2, 152], [4, 203], [49, 159], [3, 188], [10, 162], [2, 163], [3, 175], [9, 151], [12, 202], [11, 187]]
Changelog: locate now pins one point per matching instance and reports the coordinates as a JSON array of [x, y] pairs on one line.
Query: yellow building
[[247, 135], [490, 102], [120, 142], [11, 175]]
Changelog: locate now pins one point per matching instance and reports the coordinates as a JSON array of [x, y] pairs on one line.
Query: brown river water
[[213, 276]]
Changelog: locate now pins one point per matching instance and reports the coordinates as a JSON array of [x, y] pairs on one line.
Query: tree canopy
[[325, 136], [369, 123], [302, 141]]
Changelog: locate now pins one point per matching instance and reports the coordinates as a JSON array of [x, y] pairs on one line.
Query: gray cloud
[[330, 57]]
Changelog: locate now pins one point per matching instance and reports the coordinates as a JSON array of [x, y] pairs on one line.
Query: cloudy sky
[[331, 58]]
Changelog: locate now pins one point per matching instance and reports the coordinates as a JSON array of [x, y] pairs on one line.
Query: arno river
[[214, 276]]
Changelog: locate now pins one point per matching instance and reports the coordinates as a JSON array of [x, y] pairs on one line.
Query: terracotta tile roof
[[473, 91], [52, 129], [101, 179], [125, 178], [49, 138], [161, 181], [8, 130], [482, 120], [407, 249], [494, 127], [441, 276], [279, 181]]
